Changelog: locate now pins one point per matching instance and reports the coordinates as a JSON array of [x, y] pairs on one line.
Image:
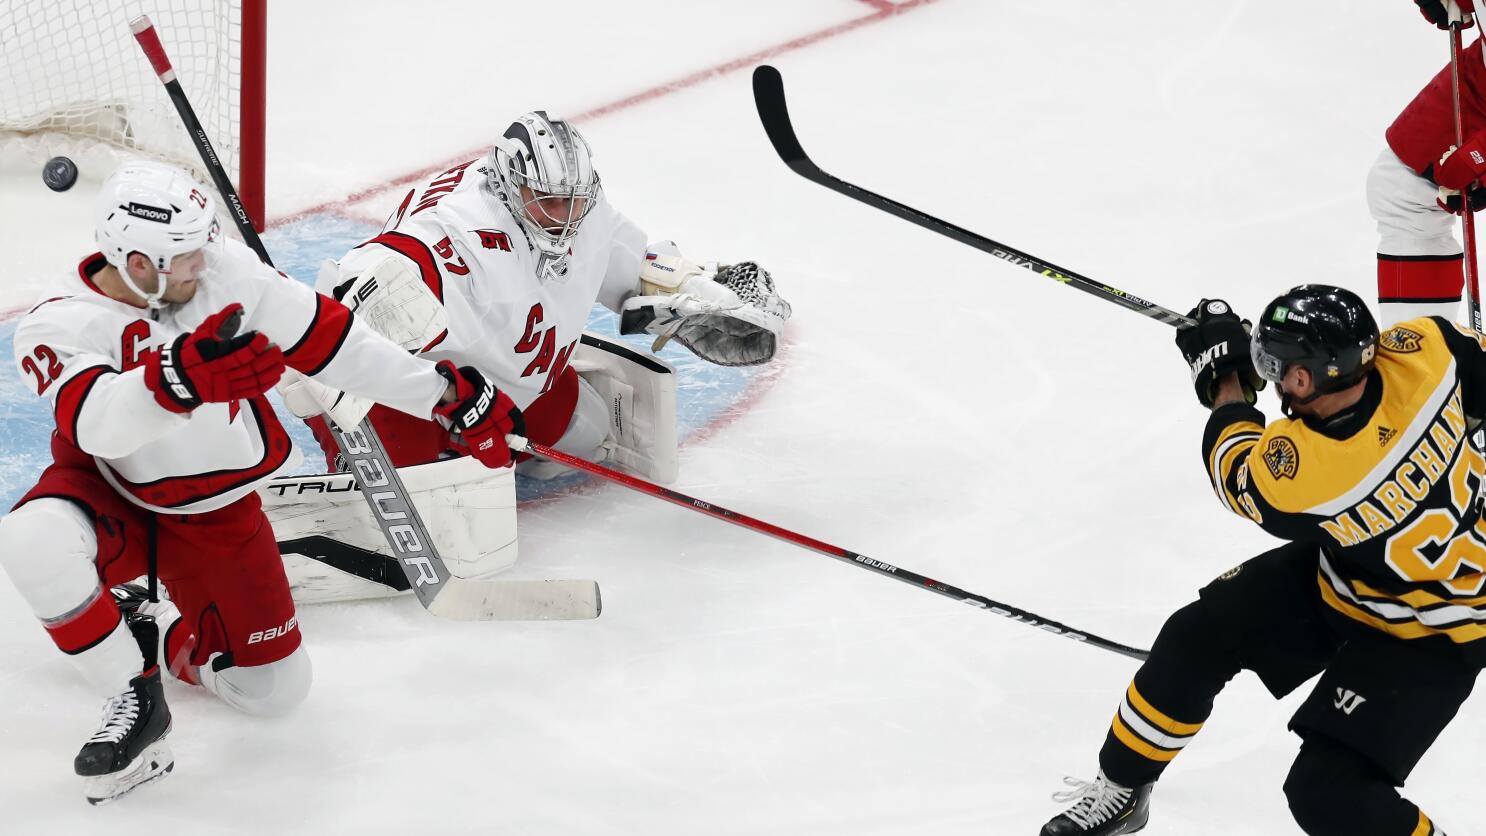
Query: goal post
[[72, 78]]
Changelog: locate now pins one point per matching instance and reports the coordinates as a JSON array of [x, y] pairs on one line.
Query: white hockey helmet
[[543, 170], [157, 210]]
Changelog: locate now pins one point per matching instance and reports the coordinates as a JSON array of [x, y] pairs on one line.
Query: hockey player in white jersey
[[513, 250], [156, 367]]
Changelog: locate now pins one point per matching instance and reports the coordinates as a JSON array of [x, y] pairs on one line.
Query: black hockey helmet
[[1326, 330]]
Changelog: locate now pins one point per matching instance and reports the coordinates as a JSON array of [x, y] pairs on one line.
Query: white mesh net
[[72, 76]]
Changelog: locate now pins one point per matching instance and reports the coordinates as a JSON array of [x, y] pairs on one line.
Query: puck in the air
[[59, 174]]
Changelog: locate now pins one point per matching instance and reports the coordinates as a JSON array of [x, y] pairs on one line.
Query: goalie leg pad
[[638, 393], [334, 551], [585, 435]]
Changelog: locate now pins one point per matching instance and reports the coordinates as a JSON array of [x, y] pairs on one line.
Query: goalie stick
[[440, 592], [768, 95], [519, 444], [1467, 216]]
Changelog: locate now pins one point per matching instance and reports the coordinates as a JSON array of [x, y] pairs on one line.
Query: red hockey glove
[[213, 364], [1463, 166], [1443, 12], [1217, 346], [481, 414]]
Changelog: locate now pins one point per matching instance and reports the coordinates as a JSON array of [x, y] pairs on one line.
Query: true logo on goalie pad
[[353, 301]]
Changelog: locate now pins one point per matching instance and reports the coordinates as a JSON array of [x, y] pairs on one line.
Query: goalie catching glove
[[729, 315], [1217, 346], [480, 415], [213, 364]]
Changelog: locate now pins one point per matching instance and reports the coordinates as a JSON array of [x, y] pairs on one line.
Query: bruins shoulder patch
[[1401, 340], [1281, 457]]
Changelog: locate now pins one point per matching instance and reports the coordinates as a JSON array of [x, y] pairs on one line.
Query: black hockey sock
[[1334, 791], [1170, 698]]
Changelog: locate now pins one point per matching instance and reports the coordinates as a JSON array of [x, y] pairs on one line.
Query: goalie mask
[[543, 171], [160, 212]]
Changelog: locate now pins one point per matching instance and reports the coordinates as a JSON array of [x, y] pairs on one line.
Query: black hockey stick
[[519, 444], [768, 95], [438, 590]]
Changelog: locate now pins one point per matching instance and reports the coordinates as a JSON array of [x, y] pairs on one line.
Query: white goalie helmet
[[157, 210], [542, 170]]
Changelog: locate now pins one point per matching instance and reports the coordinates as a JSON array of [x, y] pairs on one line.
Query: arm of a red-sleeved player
[[322, 339]]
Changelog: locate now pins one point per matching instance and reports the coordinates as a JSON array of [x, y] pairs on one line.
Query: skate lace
[[119, 714], [1097, 800]]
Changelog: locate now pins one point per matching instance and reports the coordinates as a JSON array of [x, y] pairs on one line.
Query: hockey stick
[[768, 95], [520, 445], [1467, 213], [440, 592]]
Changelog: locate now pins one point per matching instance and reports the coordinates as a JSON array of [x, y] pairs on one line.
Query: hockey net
[[72, 78]]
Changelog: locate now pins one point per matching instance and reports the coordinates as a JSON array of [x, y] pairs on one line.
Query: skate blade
[[154, 763]]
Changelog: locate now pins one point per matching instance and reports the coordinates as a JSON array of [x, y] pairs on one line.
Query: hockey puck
[[59, 174]]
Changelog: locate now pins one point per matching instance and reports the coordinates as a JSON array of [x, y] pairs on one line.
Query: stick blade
[[565, 600], [768, 97]]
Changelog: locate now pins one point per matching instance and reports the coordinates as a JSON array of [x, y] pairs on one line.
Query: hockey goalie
[[497, 263]]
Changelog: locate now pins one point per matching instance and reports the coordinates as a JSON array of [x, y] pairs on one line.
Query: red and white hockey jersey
[[84, 353], [518, 329]]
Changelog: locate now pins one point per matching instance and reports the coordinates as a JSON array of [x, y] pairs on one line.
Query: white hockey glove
[[729, 315]]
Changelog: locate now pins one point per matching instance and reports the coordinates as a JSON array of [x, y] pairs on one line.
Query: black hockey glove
[[1218, 345]]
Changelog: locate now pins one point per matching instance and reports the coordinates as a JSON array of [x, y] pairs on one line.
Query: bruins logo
[[1401, 340], [1282, 459]]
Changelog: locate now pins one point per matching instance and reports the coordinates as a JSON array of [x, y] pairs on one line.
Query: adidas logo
[[1385, 435]]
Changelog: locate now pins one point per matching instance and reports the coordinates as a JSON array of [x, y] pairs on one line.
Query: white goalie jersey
[[518, 329]]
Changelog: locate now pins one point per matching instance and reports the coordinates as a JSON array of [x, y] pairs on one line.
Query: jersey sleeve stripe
[[86, 626], [180, 491], [414, 249], [322, 339], [72, 395], [1224, 456]]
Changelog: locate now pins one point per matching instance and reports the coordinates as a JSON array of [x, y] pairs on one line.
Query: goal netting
[[72, 77]]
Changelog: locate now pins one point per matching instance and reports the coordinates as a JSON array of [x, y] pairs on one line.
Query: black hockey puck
[[59, 174]]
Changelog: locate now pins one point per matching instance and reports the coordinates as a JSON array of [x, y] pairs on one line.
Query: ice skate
[[1101, 808]]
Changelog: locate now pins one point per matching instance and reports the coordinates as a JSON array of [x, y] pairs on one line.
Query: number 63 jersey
[[1390, 490]]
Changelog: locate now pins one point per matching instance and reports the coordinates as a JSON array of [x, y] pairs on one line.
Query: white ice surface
[[941, 410]]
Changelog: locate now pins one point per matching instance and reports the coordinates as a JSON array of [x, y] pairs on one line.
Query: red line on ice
[[885, 10]]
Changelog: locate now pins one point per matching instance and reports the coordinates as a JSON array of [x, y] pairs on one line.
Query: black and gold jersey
[[1392, 497]]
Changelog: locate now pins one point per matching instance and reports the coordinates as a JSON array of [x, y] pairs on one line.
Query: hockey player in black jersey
[[1373, 479]]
